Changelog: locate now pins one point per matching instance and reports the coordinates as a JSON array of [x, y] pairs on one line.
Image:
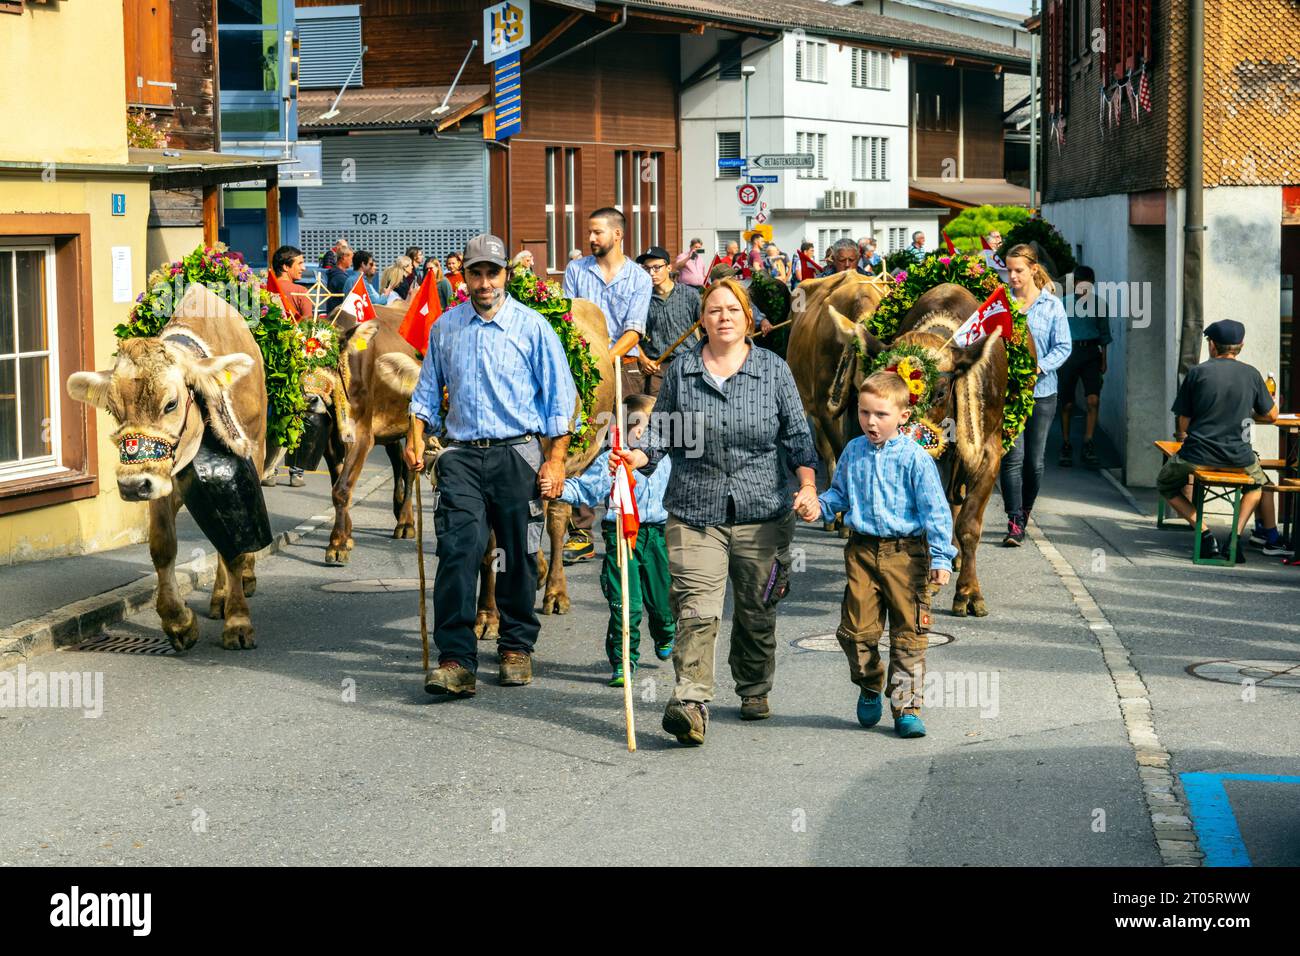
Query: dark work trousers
[[482, 490], [1022, 466]]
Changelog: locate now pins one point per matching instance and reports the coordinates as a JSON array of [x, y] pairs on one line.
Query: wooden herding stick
[[628, 715]]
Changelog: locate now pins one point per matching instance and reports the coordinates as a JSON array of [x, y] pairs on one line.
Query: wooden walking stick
[[669, 351], [419, 550], [628, 715]]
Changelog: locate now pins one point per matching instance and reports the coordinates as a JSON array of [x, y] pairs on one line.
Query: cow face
[[150, 392]]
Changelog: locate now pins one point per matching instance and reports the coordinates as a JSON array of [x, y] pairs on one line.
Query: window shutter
[[728, 148], [798, 59], [330, 42], [729, 61]]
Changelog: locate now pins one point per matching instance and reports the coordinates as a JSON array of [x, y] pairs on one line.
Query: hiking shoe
[[665, 651], [1067, 456], [616, 678], [909, 725], [450, 678], [1015, 535], [1209, 545], [870, 708], [686, 721], [516, 669], [296, 479], [754, 708], [1090, 458], [578, 548], [269, 481]]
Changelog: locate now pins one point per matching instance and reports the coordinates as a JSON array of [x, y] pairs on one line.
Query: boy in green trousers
[[647, 571]]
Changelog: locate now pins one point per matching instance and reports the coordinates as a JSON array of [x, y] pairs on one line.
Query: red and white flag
[[358, 301], [995, 313], [424, 310], [947, 243], [1144, 91], [984, 242], [622, 497]]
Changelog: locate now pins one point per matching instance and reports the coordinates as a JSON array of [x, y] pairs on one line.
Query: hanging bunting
[[1144, 90]]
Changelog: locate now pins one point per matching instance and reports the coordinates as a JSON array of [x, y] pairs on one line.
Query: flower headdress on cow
[[920, 373]]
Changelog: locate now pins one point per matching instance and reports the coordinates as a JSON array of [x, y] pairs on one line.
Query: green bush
[[965, 230]]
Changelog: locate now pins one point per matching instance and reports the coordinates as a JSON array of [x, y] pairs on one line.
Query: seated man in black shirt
[[1215, 405]]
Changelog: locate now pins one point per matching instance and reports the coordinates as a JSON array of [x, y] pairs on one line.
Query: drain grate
[[128, 644], [828, 642], [1283, 674]]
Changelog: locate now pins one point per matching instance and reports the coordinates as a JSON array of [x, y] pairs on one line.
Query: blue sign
[[119, 204], [762, 179], [733, 162], [507, 97]]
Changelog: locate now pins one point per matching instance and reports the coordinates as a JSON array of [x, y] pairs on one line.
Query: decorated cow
[[191, 408]]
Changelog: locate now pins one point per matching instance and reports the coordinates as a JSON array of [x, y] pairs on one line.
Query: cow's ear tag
[[230, 376], [360, 343]]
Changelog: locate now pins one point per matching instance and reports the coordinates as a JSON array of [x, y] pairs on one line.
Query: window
[[810, 60], [148, 46], [561, 205], [870, 157], [1080, 27], [330, 42], [725, 236], [827, 237], [29, 370], [728, 148], [898, 240], [729, 59], [814, 143], [871, 69], [636, 193]]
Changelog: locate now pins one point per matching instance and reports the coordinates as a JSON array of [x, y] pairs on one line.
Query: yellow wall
[[63, 98], [105, 521], [169, 243]]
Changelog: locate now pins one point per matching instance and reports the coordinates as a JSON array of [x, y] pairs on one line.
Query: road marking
[[1211, 813], [1176, 839]]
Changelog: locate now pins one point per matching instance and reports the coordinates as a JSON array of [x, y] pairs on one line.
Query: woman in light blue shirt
[[1050, 329]]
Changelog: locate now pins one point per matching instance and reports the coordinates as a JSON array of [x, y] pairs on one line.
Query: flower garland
[[919, 372], [319, 343], [548, 299], [1048, 238], [970, 273], [227, 275]]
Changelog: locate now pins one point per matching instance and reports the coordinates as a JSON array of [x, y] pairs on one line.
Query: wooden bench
[[1218, 484]]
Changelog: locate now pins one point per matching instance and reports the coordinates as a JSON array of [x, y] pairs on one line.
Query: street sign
[[785, 161], [507, 98], [507, 28], [732, 162], [763, 179], [747, 194]]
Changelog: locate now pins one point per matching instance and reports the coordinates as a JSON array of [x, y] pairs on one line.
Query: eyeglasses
[[659, 268]]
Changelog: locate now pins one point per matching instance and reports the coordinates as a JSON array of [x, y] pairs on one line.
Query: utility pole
[[1033, 107], [746, 72]]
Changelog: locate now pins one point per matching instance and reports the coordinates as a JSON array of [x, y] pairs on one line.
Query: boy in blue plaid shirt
[[901, 542]]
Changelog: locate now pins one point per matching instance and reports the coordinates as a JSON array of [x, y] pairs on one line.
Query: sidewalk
[[36, 588]]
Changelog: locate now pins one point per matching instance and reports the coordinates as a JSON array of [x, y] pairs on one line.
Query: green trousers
[[647, 584]]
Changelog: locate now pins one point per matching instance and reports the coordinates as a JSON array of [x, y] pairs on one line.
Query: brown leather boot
[[754, 708], [516, 669], [686, 721], [450, 678]]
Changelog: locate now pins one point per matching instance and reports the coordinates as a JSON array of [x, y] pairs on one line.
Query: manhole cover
[[374, 585], [127, 644], [828, 642], [1284, 674]]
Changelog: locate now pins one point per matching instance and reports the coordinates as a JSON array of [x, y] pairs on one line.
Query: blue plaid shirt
[[592, 488], [1050, 329], [892, 491], [625, 301], [505, 377]]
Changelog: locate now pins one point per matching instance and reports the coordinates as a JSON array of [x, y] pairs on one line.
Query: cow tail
[[842, 383]]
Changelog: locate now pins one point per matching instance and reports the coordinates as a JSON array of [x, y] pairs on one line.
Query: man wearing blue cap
[[1215, 405]]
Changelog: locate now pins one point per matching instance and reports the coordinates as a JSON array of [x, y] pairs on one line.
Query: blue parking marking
[[1212, 816]]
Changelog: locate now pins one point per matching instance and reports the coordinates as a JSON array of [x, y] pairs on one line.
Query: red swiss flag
[[424, 310]]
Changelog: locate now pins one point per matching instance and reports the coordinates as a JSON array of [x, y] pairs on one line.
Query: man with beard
[[622, 289]]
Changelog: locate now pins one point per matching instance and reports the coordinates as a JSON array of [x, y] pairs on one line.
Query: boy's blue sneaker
[[869, 709], [909, 725], [665, 651]]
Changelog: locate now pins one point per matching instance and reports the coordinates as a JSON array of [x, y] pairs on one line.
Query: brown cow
[[203, 373], [373, 413], [401, 372], [821, 353], [968, 408]]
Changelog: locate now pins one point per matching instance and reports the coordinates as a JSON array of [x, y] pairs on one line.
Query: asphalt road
[[321, 747]]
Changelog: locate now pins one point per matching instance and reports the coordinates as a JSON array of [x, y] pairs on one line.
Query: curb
[[1171, 822], [81, 620]]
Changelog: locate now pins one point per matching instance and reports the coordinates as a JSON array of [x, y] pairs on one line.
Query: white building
[[837, 83]]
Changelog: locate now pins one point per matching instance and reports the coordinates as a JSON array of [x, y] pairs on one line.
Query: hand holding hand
[[806, 505], [550, 479]]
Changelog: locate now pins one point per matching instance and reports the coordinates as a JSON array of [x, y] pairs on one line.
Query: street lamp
[[746, 72]]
